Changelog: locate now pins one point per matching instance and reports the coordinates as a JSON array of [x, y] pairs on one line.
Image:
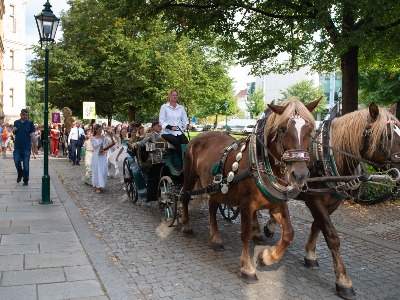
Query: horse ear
[[277, 108], [393, 108], [312, 105], [373, 111]]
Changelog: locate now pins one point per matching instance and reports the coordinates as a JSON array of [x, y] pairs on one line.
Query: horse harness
[[259, 168], [325, 166]]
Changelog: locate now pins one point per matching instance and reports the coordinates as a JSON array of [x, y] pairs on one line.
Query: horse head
[[382, 143], [288, 134]]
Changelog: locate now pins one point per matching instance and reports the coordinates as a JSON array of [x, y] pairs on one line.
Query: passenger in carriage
[[150, 137], [174, 121]]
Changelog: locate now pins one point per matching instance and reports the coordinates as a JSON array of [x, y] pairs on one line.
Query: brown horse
[[286, 133], [374, 136]]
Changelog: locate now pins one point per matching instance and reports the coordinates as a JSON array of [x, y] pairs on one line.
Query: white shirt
[[173, 116], [75, 133]]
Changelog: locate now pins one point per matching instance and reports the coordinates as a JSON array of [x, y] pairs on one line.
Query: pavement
[[101, 246]]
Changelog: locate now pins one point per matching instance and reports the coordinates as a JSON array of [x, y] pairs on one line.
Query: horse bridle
[[293, 155], [388, 157]]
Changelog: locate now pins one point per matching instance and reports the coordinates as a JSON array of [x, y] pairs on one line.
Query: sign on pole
[[89, 110], [55, 117]]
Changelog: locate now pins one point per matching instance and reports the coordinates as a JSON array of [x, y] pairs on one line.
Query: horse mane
[[347, 132], [294, 107]]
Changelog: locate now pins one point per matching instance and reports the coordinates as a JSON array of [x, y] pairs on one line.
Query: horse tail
[[190, 172]]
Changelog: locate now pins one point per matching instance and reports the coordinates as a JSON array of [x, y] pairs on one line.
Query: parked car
[[197, 128], [237, 128], [208, 127], [249, 128], [224, 128]]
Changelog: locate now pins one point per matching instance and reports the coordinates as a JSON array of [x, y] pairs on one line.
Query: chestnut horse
[[286, 133], [374, 136]]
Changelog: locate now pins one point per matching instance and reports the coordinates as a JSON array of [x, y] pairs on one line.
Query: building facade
[[1, 59], [14, 77]]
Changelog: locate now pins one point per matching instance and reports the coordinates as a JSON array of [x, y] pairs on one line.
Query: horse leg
[[273, 254], [310, 260], [257, 235], [186, 224], [321, 214], [247, 269], [270, 227], [216, 243]]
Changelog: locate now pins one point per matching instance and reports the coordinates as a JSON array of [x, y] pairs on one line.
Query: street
[[158, 262]]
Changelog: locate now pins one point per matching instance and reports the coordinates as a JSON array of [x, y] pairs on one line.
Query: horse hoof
[[217, 247], [268, 234], [345, 293], [311, 264], [249, 278], [264, 258], [258, 240]]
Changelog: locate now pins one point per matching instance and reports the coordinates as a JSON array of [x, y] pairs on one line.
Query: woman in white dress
[[88, 158], [99, 160]]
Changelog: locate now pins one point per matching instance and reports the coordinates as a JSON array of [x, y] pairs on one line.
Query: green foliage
[[325, 35], [381, 86], [128, 65], [35, 101], [255, 103], [306, 92]]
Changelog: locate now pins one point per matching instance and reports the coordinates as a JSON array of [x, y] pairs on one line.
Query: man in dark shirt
[[24, 132]]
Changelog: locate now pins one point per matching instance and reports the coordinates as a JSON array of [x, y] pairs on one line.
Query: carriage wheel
[[167, 200], [130, 185], [229, 213]]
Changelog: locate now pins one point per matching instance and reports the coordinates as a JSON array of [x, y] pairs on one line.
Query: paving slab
[[55, 259], [70, 290], [27, 277]]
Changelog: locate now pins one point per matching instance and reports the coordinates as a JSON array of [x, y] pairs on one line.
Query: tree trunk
[[132, 113], [109, 119], [349, 65]]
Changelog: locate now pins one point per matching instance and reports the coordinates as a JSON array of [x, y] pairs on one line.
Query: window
[[12, 97], [12, 57], [12, 24]]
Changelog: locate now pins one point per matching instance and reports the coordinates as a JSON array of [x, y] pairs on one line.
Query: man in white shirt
[[75, 140]]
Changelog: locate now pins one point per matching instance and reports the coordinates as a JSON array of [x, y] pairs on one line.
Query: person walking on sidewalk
[[24, 132], [75, 139], [55, 137]]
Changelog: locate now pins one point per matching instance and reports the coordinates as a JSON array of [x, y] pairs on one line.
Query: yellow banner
[[89, 110]]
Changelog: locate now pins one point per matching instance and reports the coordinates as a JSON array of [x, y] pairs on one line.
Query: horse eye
[[282, 129]]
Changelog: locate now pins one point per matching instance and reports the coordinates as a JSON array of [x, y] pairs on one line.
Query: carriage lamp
[[47, 24]]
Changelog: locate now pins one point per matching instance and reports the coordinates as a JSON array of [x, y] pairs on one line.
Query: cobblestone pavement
[[159, 263]]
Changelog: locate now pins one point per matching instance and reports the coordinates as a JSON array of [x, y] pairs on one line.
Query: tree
[[381, 86], [255, 103], [126, 66], [323, 34], [306, 92]]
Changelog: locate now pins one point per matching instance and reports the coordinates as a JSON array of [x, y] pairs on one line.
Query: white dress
[[99, 163]]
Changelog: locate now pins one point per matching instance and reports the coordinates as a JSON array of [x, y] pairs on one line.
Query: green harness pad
[[215, 168]]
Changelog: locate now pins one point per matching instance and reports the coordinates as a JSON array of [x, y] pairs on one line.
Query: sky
[[33, 7]]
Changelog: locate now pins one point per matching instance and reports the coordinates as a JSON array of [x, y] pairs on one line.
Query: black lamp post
[[47, 24]]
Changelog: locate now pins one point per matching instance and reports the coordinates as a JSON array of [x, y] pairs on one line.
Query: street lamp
[[226, 115], [47, 24]]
